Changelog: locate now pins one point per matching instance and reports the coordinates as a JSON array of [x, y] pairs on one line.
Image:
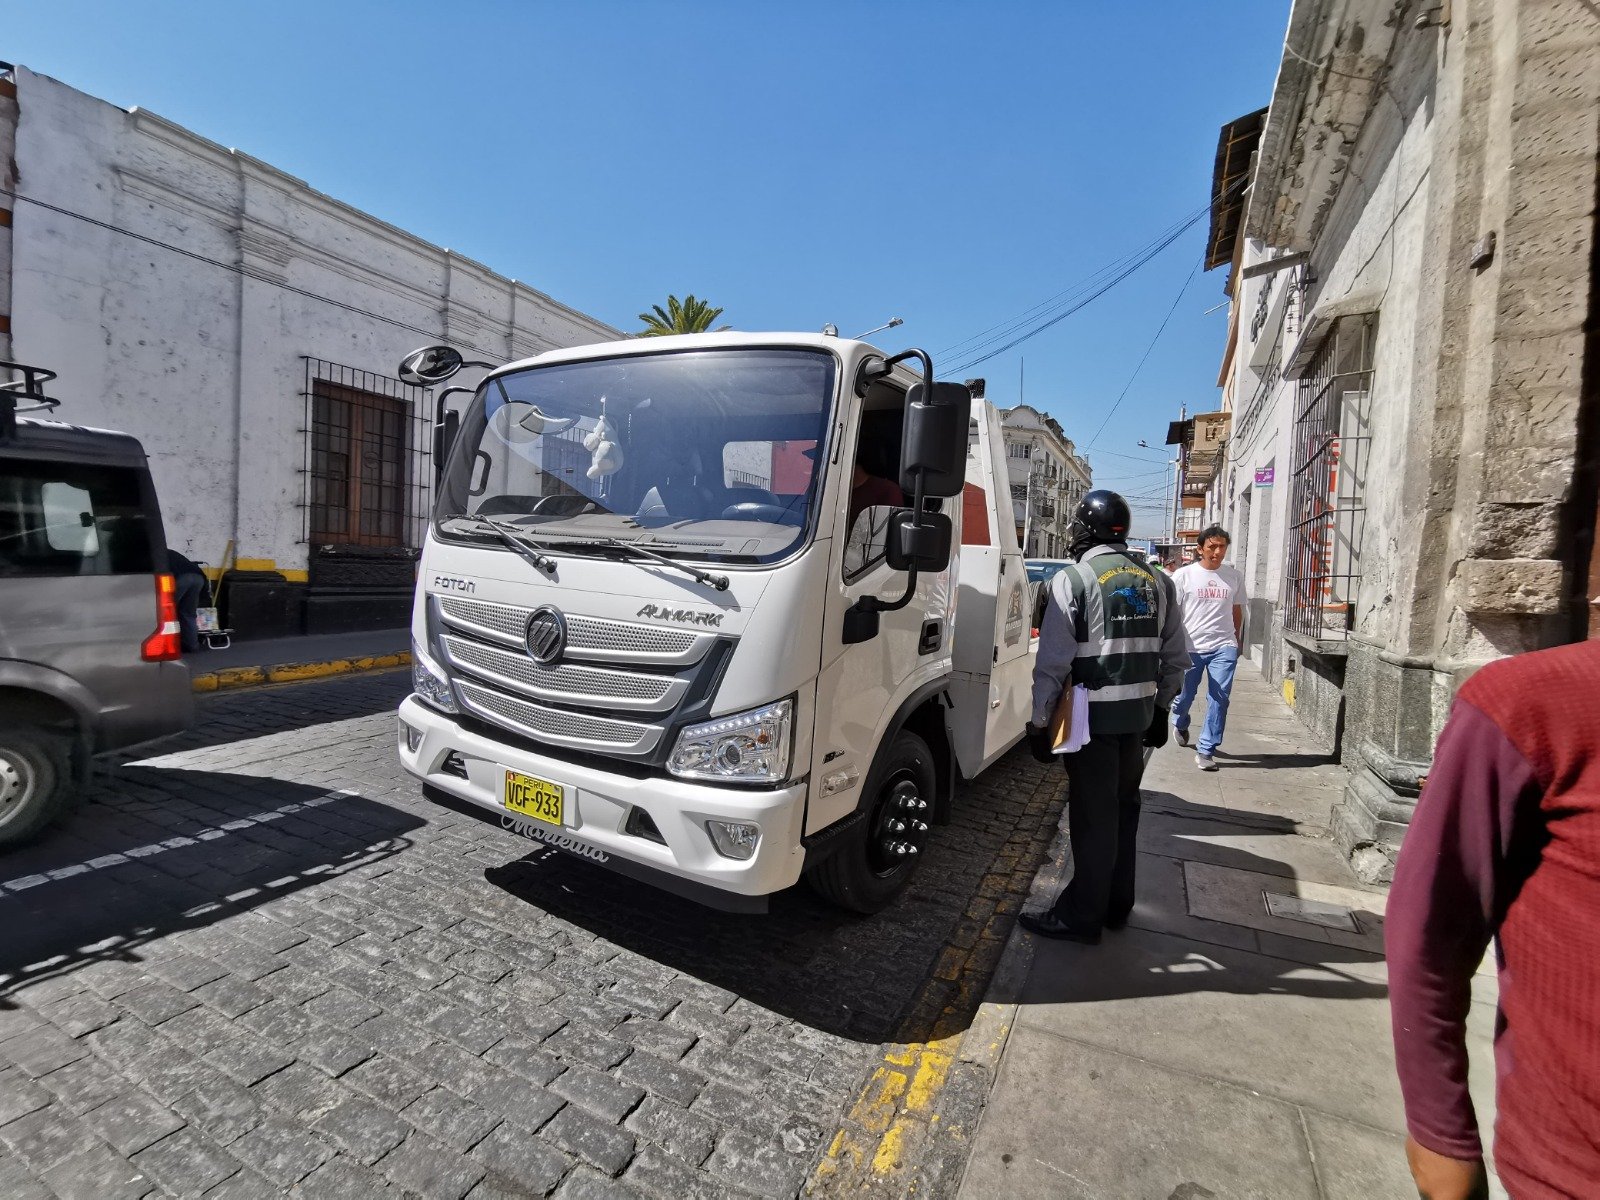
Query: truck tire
[[35, 784], [881, 857]]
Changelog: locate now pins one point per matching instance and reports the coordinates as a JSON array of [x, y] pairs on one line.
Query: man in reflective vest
[[1112, 624]]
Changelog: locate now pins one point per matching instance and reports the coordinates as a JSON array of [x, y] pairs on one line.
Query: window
[[1327, 499], [72, 519], [366, 457]]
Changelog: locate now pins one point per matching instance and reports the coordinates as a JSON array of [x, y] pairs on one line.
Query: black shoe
[[1183, 737], [1117, 922], [1047, 924]]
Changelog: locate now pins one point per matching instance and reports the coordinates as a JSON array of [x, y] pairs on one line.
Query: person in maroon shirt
[[1505, 844]]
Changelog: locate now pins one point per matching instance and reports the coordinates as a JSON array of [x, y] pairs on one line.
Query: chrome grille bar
[[589, 639], [553, 725], [567, 684]]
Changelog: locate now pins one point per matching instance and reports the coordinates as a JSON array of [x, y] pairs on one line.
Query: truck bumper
[[598, 804]]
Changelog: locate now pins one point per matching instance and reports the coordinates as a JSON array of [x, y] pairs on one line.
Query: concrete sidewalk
[[1213, 1049]]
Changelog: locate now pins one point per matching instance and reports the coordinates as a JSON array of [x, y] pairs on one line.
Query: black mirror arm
[[453, 390], [872, 603]]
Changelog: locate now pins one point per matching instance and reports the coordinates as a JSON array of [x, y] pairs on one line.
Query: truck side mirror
[[430, 365], [934, 444], [923, 546]]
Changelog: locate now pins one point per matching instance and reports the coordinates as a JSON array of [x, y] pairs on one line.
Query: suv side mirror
[[430, 365], [934, 444], [921, 546]]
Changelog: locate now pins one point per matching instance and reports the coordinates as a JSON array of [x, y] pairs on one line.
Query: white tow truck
[[718, 611]]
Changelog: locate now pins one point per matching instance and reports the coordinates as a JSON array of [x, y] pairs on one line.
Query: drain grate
[[1310, 912]]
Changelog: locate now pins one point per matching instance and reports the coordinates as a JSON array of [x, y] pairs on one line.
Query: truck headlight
[[428, 682], [749, 747]]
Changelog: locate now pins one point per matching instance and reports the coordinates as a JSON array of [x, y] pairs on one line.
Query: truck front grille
[[566, 683], [615, 690]]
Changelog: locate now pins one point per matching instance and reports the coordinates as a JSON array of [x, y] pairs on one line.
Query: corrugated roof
[[1235, 147]]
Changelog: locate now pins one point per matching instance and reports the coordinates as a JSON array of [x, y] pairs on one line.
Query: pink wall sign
[[1264, 476]]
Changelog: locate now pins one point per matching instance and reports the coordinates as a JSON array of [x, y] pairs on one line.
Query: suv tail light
[[164, 644]]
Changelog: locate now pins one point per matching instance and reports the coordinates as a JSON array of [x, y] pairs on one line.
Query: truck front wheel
[[882, 855], [35, 785]]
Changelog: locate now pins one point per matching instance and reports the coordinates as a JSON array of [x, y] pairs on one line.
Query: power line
[[236, 268], [1160, 329], [1138, 260], [1039, 328], [1134, 457], [1011, 324]]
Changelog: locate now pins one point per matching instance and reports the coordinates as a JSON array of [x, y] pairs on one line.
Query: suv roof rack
[[29, 390]]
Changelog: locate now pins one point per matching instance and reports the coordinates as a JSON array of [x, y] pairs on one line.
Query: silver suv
[[89, 640]]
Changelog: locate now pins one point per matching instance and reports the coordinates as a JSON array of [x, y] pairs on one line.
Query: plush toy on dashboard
[[605, 453]]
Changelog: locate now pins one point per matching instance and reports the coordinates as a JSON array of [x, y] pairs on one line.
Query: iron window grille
[[1327, 503], [367, 475]]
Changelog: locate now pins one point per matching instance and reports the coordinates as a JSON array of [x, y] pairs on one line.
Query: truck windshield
[[699, 454]]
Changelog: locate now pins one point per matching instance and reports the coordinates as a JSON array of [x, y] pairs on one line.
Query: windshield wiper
[[513, 540], [719, 582]]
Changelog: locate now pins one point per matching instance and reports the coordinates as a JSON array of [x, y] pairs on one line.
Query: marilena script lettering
[[534, 834]]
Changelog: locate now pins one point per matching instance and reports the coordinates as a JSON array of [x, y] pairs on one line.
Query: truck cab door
[[862, 685]]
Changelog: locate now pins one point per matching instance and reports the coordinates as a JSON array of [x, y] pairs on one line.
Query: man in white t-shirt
[[1211, 597]]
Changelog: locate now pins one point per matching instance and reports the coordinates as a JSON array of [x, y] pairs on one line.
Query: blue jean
[[1217, 665]]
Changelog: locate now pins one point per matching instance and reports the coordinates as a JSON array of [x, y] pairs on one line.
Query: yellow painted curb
[[895, 1117], [242, 677]]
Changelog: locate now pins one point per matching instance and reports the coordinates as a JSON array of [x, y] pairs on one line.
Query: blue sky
[[801, 163]]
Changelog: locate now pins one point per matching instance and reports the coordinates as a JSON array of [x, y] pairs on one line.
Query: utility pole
[[1177, 475]]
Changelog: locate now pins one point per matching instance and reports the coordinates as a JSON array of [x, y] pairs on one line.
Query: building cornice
[[299, 192], [1334, 65]]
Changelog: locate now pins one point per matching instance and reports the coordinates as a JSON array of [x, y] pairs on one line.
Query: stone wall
[[1488, 454]]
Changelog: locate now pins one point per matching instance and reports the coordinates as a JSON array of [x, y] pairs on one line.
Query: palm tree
[[691, 316]]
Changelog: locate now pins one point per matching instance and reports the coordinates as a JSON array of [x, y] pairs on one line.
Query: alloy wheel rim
[[16, 780], [900, 829]]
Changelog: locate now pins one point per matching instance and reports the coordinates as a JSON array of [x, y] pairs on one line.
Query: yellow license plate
[[536, 798]]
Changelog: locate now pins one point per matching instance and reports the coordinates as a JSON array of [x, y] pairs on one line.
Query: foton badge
[[546, 635]]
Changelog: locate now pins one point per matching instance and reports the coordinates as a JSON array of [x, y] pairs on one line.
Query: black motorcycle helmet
[[1102, 516]]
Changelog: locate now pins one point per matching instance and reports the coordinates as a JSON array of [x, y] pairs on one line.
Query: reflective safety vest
[[1120, 605]]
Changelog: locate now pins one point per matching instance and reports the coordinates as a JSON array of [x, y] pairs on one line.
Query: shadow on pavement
[[1143, 963], [170, 850], [1273, 761], [926, 958], [233, 717], [1167, 951]]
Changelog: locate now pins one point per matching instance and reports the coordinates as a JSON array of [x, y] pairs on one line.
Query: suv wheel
[[883, 855], [35, 784]]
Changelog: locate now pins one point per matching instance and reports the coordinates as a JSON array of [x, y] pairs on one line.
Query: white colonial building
[[1048, 478], [246, 328]]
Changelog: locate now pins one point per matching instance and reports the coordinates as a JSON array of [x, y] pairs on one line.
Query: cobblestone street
[[258, 960]]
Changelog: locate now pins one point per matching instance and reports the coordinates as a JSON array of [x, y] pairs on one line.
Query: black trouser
[[1103, 828], [190, 589]]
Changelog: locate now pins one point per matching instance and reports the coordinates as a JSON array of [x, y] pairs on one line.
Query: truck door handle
[[932, 637]]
